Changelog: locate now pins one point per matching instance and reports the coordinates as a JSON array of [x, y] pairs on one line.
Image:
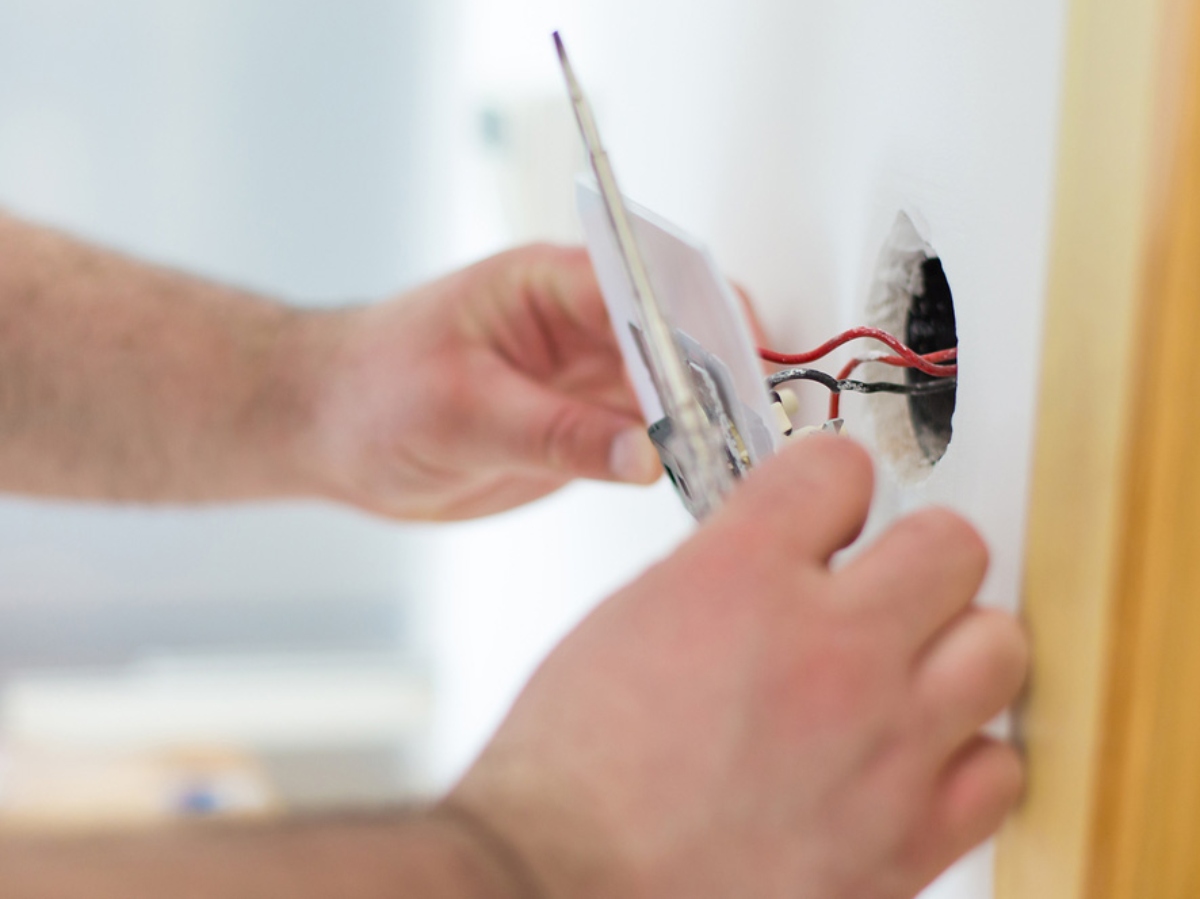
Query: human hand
[[482, 391], [746, 721]]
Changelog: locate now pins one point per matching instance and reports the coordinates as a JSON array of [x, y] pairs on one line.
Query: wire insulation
[[838, 386], [914, 359], [835, 400]]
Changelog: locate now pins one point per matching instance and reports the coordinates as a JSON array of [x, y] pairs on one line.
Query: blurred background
[[157, 663]]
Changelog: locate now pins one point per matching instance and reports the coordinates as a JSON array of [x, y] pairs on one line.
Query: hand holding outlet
[[479, 392]]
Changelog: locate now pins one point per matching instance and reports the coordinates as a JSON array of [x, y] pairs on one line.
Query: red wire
[[835, 399], [898, 361], [910, 356]]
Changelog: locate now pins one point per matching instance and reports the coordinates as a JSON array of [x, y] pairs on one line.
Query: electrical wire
[[914, 359], [835, 399], [941, 385], [804, 374], [838, 386], [939, 357]]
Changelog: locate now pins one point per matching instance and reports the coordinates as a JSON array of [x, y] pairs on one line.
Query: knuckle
[[851, 460], [1007, 775], [552, 254], [517, 263], [948, 534], [537, 249], [980, 675], [1009, 650], [842, 463], [560, 436], [850, 681]]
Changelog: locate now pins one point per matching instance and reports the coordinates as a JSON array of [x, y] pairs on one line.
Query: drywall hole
[[911, 298], [931, 327]]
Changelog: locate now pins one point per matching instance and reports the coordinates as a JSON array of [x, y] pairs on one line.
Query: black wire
[[941, 385], [804, 374], [832, 384]]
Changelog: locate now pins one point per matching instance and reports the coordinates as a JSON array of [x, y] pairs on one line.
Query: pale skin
[[745, 719]]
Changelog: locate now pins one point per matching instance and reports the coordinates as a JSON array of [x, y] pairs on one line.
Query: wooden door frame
[[1112, 590]]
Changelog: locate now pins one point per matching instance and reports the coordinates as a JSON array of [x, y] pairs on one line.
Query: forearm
[[434, 855], [121, 381]]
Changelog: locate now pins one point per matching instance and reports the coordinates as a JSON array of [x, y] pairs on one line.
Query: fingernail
[[633, 457]]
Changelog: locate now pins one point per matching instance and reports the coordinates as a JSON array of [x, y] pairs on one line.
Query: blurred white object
[[265, 703], [209, 736]]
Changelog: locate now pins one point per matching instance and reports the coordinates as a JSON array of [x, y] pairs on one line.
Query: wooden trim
[[1112, 726], [1145, 839]]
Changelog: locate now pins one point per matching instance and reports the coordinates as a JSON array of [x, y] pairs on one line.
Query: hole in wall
[[910, 297], [931, 327]]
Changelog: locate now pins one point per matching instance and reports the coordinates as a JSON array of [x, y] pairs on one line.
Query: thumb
[[549, 430]]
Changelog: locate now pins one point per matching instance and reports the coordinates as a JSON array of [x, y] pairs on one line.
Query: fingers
[[539, 428], [970, 673], [814, 496], [923, 572], [562, 281], [547, 317], [979, 787], [632, 458]]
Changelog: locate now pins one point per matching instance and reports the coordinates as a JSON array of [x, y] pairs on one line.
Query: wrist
[[368, 394], [481, 855], [309, 352], [559, 833]]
